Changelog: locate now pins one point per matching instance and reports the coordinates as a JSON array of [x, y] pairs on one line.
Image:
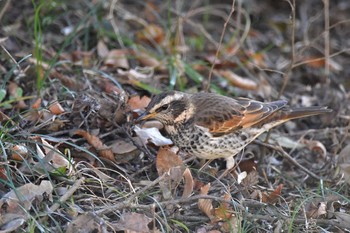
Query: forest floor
[[76, 74]]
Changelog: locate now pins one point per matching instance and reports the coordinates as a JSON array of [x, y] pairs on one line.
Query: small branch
[[288, 72], [68, 194], [326, 39], [220, 43], [292, 160]]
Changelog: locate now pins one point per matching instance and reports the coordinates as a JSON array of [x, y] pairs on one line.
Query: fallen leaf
[[37, 103], [53, 155], [344, 163], [94, 141], [206, 205], [16, 93], [241, 176], [251, 179], [315, 146], [134, 222], [343, 218], [238, 81], [117, 58], [19, 152], [273, 197], [146, 60], [137, 102], [151, 34], [56, 108], [102, 49], [166, 159], [15, 204], [189, 183], [319, 62], [87, 222], [124, 151], [153, 135]]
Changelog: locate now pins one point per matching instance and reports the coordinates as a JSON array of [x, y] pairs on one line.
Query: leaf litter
[[81, 122]]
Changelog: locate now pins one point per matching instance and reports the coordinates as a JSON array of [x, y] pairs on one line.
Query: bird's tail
[[287, 114], [295, 113]]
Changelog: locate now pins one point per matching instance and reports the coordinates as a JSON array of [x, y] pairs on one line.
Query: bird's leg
[[230, 163]]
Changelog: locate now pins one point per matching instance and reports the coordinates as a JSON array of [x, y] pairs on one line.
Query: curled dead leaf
[[151, 34], [189, 183], [56, 108], [238, 81], [19, 152], [273, 197], [37, 103], [153, 135], [315, 146], [206, 205], [117, 58]]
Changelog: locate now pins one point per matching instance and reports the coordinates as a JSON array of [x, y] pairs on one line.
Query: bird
[[213, 126]]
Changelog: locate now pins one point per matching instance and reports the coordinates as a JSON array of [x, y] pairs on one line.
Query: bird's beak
[[145, 116]]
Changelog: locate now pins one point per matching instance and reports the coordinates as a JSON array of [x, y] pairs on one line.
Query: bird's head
[[170, 108]]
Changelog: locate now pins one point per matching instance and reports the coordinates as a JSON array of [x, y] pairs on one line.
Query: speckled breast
[[197, 141]]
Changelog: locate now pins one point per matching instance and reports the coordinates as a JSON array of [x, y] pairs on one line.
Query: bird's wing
[[222, 115]]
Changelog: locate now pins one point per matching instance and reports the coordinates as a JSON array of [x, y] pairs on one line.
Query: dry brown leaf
[[19, 152], [257, 58], [135, 102], [319, 62], [206, 205], [344, 162], [117, 58], [13, 92], [152, 34], [3, 174], [189, 183], [225, 214], [83, 58], [37, 103], [94, 141], [134, 222], [17, 203], [52, 155], [166, 159], [273, 197], [146, 59], [343, 218], [124, 151], [238, 81], [102, 49], [315, 146], [87, 222], [251, 179], [56, 108]]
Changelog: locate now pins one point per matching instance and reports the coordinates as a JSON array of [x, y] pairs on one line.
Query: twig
[[292, 160], [288, 72], [68, 194], [220, 43], [4, 9], [326, 39]]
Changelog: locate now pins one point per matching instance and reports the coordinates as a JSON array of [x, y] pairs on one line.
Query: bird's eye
[[163, 108]]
